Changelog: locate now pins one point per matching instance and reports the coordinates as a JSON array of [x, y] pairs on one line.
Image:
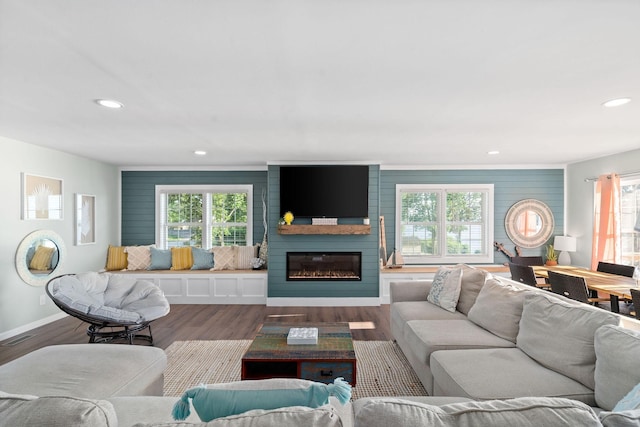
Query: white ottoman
[[95, 371]]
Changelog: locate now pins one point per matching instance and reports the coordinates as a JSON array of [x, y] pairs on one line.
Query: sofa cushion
[[560, 334], [54, 411], [617, 372], [500, 373], [402, 312], [472, 281], [498, 309], [426, 336], [118, 287], [527, 411], [445, 289]]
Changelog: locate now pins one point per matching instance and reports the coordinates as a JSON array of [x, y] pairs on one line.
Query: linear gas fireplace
[[324, 266]]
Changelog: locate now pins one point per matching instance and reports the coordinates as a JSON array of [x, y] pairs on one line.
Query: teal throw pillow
[[160, 259], [202, 259], [216, 403], [630, 401]]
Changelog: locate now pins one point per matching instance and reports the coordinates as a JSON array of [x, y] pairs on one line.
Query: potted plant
[[552, 256]]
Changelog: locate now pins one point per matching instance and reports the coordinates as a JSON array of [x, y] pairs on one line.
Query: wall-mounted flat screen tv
[[331, 191]]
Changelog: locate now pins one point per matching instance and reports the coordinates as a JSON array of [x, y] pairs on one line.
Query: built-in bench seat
[[208, 287], [189, 275]]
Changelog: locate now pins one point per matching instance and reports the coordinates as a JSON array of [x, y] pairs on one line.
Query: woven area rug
[[382, 369]]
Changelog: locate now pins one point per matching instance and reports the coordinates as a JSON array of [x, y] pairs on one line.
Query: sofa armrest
[[409, 290]]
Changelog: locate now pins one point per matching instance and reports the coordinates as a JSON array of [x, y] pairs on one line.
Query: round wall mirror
[[39, 255], [529, 223]]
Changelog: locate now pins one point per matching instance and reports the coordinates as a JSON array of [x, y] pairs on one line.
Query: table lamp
[[564, 244]]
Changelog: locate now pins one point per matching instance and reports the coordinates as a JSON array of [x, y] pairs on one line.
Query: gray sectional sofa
[[507, 340]]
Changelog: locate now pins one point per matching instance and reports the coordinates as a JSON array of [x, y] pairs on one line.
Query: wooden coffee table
[[269, 356]]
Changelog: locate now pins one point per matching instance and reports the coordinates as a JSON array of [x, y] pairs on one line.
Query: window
[[630, 221], [444, 223], [204, 215]]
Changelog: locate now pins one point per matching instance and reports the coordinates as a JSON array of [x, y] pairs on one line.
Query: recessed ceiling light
[[109, 103], [200, 153], [493, 152], [616, 102]]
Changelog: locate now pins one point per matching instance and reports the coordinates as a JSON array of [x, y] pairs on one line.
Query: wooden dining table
[[616, 286]]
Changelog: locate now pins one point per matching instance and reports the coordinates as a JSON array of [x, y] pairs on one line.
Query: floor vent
[[17, 340]]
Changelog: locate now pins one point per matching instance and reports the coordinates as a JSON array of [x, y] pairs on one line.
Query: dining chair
[[523, 274], [635, 299], [527, 260], [572, 287], [619, 269]]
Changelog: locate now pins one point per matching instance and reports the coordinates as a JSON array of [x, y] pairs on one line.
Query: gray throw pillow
[[560, 335], [617, 364], [445, 289], [498, 309], [472, 281]]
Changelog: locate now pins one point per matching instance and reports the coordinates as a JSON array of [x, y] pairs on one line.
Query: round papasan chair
[[115, 306]]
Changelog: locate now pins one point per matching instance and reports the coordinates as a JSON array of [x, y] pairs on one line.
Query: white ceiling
[[400, 82]]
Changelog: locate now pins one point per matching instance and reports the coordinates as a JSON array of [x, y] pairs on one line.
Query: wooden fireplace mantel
[[324, 229]]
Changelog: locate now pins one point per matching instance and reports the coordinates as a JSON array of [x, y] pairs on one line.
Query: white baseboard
[[322, 302], [32, 325]]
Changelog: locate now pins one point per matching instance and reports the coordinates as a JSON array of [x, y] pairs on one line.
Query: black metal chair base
[[98, 334]]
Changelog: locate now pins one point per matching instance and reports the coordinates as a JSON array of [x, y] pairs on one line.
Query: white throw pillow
[[138, 257], [445, 290], [244, 255], [224, 257]]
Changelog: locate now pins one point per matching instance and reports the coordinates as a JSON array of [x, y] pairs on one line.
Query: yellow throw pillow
[[116, 258], [42, 258], [181, 258]]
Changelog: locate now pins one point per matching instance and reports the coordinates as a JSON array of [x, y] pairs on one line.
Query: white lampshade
[[564, 244]]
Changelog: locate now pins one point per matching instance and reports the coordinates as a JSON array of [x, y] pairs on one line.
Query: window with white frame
[[630, 220], [204, 215], [444, 223]]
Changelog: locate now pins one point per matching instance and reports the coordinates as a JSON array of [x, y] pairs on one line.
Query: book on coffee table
[[298, 336]]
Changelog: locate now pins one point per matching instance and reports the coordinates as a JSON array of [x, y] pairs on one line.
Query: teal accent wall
[[139, 198], [279, 245], [510, 186]]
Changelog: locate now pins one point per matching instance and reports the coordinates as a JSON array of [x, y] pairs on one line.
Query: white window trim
[[487, 257], [204, 189]]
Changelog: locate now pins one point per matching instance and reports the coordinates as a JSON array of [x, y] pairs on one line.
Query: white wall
[[580, 197], [20, 308]]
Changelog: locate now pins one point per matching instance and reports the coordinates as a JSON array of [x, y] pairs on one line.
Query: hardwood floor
[[210, 322]]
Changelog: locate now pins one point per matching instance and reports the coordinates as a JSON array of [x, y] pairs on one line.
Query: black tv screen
[[332, 191]]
